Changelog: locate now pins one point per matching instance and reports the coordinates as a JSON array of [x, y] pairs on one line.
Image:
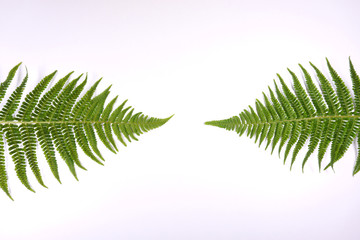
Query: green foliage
[[290, 118], [59, 120]]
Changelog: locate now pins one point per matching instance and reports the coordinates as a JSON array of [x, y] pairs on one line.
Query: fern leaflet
[[326, 116], [59, 120]]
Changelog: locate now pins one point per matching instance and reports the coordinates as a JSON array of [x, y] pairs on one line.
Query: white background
[[199, 60]]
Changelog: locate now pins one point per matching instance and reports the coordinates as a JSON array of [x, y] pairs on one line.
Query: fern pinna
[[59, 119], [289, 118]]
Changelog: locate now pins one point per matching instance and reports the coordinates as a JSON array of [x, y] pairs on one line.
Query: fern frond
[[330, 116], [59, 120]]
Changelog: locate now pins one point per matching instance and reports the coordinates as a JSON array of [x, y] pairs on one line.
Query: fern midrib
[[303, 119], [70, 122]]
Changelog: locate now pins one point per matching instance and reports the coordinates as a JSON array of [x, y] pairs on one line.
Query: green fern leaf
[[60, 121], [292, 117]]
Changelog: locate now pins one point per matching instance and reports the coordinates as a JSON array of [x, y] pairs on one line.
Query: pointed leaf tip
[[168, 118], [211, 123]]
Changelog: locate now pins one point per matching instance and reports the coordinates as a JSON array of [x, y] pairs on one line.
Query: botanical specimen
[[59, 119], [289, 118]]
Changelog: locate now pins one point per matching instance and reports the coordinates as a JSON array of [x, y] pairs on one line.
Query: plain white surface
[[199, 60]]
